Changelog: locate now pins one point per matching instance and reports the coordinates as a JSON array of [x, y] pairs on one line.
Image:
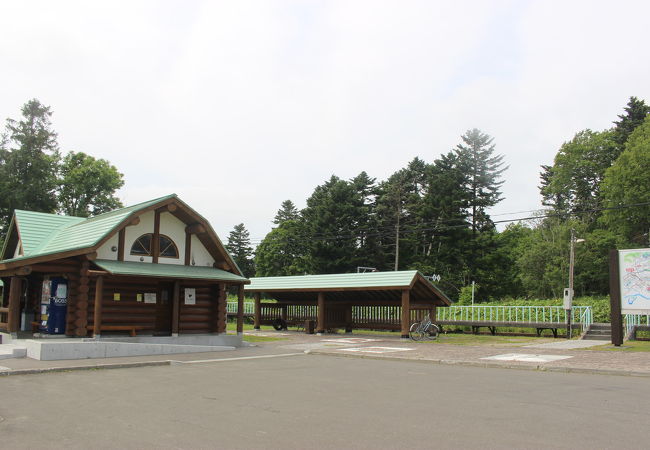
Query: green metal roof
[[43, 234], [377, 280], [167, 271]]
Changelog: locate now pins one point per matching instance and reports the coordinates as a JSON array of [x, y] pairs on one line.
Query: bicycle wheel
[[414, 332], [434, 331]]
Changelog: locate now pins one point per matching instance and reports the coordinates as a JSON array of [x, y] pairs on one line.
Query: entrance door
[[164, 310]]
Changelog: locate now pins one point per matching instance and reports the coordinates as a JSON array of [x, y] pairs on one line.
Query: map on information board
[[634, 272]]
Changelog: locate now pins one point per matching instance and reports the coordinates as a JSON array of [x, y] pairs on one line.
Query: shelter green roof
[[369, 285], [130, 268], [43, 234], [397, 279]]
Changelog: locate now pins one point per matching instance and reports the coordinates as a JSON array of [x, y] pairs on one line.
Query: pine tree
[[29, 156], [239, 246], [287, 211], [484, 170], [635, 113]]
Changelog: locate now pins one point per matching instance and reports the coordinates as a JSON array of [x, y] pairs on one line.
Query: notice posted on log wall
[[190, 296]]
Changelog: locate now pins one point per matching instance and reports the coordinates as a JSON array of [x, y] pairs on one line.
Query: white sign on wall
[[634, 275], [190, 296], [150, 297]]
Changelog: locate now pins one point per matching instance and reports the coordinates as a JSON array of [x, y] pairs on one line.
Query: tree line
[[36, 176], [433, 217]]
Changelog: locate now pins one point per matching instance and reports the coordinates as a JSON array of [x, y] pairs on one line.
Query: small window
[[142, 246]]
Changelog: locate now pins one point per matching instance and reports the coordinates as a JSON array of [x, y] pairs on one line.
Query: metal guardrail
[[231, 308], [632, 320], [516, 314], [478, 313]]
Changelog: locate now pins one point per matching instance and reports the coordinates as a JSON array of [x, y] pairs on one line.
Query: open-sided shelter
[[348, 300], [154, 268]]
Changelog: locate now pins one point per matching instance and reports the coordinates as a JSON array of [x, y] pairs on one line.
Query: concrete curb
[[89, 367], [490, 365]]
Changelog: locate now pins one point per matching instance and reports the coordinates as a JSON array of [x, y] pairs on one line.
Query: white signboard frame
[[190, 296], [634, 278]]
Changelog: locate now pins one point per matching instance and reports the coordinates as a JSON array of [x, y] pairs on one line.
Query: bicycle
[[423, 330]]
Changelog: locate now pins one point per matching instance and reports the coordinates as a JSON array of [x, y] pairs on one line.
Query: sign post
[[629, 287], [616, 317]]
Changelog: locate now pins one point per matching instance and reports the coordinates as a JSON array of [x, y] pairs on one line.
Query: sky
[[238, 105]]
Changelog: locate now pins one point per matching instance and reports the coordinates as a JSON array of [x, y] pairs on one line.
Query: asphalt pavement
[[295, 400]]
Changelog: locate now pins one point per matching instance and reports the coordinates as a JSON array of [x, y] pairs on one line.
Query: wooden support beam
[[53, 268], [188, 248], [222, 308], [240, 309], [406, 312], [13, 315], [97, 313], [19, 271], [258, 310], [195, 228], [121, 238], [81, 302], [348, 318], [171, 207], [176, 307], [320, 322], [155, 240], [90, 256], [97, 273]]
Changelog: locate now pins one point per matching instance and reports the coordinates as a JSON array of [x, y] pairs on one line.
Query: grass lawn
[[449, 338], [628, 346], [231, 327]]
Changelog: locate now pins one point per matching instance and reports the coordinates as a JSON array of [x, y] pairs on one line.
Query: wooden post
[[348, 318], [13, 316], [320, 323], [258, 310], [406, 312], [155, 240], [176, 307], [222, 308], [433, 314], [97, 316], [81, 309], [616, 317], [240, 309], [121, 239], [188, 248]]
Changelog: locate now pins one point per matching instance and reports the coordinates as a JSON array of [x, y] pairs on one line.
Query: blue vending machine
[[54, 305]]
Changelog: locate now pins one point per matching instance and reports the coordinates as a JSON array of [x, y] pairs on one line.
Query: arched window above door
[[142, 246]]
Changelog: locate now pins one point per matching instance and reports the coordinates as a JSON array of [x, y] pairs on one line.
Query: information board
[[634, 273]]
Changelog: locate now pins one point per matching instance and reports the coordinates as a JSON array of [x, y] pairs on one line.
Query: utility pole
[[397, 242], [569, 307]]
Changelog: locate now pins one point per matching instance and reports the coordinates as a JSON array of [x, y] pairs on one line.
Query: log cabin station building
[[156, 268]]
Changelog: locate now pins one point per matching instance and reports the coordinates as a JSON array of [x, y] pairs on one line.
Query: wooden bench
[[132, 329], [492, 326]]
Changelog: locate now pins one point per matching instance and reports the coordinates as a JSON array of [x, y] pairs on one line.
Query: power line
[[440, 226]]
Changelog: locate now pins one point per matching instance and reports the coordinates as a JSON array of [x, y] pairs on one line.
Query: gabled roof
[[43, 234], [349, 285]]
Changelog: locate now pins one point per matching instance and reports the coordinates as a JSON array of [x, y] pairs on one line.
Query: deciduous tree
[[87, 185]]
